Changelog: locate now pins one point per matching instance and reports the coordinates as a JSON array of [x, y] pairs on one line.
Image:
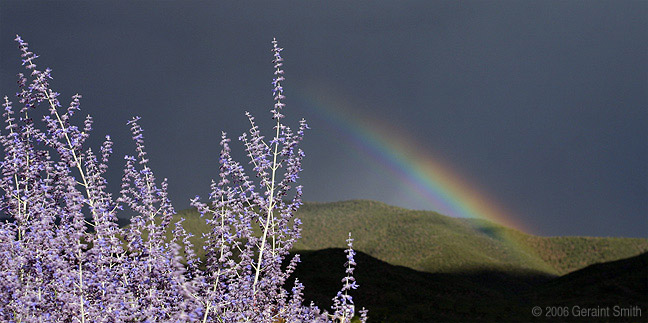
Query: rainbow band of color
[[431, 178]]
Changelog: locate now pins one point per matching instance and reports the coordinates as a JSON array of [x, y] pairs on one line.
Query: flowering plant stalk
[[53, 268]]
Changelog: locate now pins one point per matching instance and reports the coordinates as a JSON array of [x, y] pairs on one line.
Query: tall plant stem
[[270, 210]]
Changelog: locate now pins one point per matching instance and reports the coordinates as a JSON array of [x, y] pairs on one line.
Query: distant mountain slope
[[430, 242], [403, 295]]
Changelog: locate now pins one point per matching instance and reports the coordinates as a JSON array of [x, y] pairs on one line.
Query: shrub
[[54, 269]]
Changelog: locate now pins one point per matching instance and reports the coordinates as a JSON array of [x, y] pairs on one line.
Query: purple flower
[[54, 268]]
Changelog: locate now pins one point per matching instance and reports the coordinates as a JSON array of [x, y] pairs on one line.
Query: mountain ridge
[[431, 242]]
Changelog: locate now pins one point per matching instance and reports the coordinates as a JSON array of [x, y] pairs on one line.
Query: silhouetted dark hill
[[400, 294], [602, 287]]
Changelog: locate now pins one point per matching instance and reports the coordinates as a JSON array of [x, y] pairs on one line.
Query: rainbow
[[432, 178]]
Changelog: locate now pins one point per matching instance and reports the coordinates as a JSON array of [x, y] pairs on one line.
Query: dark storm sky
[[543, 105]]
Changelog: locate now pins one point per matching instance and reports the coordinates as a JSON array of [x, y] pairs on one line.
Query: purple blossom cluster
[[53, 268]]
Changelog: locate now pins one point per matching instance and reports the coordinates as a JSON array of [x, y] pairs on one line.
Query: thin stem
[[270, 210]]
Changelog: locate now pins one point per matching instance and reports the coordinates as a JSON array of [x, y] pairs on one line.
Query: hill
[[621, 283], [400, 294], [429, 242]]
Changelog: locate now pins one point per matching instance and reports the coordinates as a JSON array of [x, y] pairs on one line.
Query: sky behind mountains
[[539, 107]]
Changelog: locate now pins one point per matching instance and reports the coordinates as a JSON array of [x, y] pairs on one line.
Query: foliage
[[53, 269]]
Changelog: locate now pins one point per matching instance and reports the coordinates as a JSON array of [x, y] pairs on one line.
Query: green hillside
[[430, 242]]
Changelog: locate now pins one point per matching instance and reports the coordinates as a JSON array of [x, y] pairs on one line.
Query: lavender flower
[[53, 269]]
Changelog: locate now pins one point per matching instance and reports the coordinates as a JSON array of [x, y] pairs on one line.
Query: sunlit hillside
[[430, 242]]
